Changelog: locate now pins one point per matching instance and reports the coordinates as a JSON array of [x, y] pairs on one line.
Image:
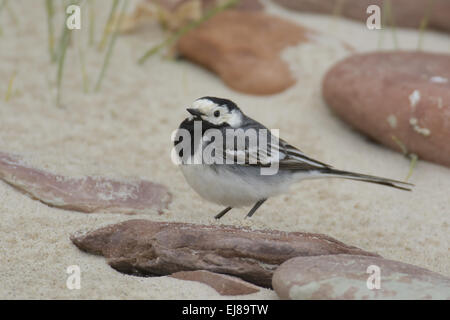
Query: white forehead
[[204, 105]]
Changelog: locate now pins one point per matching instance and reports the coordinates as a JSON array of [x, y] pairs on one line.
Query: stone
[[144, 247], [175, 14], [208, 4], [398, 98], [225, 285], [86, 194], [349, 277], [407, 13], [243, 48]]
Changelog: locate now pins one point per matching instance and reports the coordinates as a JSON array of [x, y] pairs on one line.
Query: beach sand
[[124, 130]]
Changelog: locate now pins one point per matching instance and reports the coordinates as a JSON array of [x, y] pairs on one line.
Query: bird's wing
[[250, 156], [295, 159], [277, 151]]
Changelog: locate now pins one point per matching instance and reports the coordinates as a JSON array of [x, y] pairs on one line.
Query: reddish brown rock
[[144, 247], [172, 5], [397, 98], [407, 13], [249, 5], [175, 14], [353, 277], [87, 194], [223, 284], [244, 48]]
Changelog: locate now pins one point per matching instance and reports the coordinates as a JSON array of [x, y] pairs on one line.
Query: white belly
[[233, 187]]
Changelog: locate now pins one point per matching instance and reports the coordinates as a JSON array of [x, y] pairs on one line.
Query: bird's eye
[[216, 113]]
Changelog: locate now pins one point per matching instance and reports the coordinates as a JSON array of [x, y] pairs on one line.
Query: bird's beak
[[194, 112]]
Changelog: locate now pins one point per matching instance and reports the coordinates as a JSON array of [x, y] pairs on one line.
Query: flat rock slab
[[407, 13], [143, 247], [243, 48], [86, 194], [225, 285], [399, 98], [347, 277]]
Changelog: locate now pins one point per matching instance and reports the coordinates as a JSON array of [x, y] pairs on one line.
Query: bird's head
[[216, 112]]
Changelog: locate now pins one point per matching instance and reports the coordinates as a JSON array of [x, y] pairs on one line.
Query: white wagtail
[[238, 184]]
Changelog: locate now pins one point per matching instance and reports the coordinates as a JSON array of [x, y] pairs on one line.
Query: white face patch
[[235, 119], [204, 105], [217, 114]]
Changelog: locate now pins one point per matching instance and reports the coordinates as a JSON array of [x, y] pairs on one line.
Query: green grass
[[383, 25], [111, 46], [388, 19], [64, 42], [61, 55], [412, 156], [401, 145], [391, 17], [84, 75], [337, 12], [91, 22], [194, 24], [412, 165], [51, 33], [106, 29], [9, 91], [424, 23]]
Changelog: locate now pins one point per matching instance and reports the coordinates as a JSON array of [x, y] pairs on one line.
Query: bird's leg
[[222, 213], [255, 207]]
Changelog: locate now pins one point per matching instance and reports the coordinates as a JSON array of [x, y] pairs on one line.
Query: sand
[[124, 130]]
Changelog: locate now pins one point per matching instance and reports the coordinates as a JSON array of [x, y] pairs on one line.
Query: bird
[[238, 181]]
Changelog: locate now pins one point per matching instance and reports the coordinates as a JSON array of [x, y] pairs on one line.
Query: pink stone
[[399, 98], [87, 194]]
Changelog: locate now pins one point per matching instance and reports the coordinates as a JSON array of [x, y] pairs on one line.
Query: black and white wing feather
[[269, 151], [290, 158]]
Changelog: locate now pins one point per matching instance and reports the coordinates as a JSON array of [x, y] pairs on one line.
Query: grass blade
[[111, 46], [61, 55], [387, 18], [384, 14], [401, 145], [51, 33], [414, 158], [10, 86], [174, 37], [424, 23], [91, 22], [391, 17], [108, 25], [84, 75], [337, 13], [65, 39]]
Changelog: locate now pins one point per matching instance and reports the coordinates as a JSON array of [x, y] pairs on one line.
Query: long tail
[[364, 177]]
